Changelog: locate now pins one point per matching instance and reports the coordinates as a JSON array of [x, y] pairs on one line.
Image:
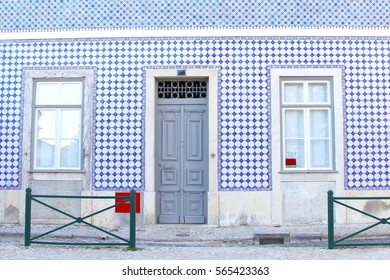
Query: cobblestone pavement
[[189, 243], [17, 251]]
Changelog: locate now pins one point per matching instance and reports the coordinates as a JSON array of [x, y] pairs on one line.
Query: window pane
[[295, 149], [293, 92], [71, 93], [45, 143], [319, 123], [294, 124], [70, 153], [318, 92], [320, 153], [45, 154], [47, 93], [46, 124], [70, 138], [70, 124]]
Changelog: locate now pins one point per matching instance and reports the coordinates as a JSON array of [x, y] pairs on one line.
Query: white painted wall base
[[299, 203], [244, 208], [11, 207]]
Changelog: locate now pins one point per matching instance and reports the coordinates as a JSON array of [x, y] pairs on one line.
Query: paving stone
[[185, 243]]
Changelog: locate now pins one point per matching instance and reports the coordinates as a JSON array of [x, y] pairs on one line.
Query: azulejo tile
[[46, 15], [245, 158]]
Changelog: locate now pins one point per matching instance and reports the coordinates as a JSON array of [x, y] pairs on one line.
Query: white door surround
[[150, 203]]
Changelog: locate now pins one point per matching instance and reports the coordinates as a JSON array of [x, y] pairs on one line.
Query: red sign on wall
[[125, 207], [291, 162]]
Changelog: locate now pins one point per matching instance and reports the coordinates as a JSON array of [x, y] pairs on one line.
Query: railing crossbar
[[107, 208], [356, 233], [355, 209], [124, 199], [361, 244], [332, 243], [77, 221], [80, 243], [361, 198], [104, 231], [53, 208], [51, 231], [77, 196]]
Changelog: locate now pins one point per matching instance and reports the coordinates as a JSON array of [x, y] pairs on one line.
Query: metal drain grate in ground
[[273, 238], [182, 235]]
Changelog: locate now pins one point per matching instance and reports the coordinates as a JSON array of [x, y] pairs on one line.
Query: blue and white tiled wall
[[244, 102], [27, 15]]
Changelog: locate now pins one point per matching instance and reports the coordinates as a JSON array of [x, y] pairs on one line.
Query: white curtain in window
[[294, 121], [318, 92], [45, 130], [294, 136], [71, 94], [293, 92], [46, 93], [319, 138], [70, 135]]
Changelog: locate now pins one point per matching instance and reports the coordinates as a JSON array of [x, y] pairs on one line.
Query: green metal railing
[[28, 239], [332, 200]]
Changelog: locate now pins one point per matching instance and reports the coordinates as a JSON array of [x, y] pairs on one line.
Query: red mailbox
[[125, 207]]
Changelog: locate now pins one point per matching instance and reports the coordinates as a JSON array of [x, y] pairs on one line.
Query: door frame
[[150, 194]]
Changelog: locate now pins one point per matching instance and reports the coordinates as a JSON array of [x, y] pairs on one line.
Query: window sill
[[309, 175], [307, 171], [55, 171]]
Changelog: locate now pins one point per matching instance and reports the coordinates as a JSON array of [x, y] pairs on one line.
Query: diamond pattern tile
[[244, 102], [44, 15]]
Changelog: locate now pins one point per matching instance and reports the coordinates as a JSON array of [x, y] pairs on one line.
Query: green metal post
[[330, 220], [132, 218], [27, 219]]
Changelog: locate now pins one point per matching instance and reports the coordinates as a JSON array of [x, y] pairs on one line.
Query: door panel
[[195, 163], [169, 177], [170, 131], [194, 136], [194, 208], [182, 163], [170, 204]]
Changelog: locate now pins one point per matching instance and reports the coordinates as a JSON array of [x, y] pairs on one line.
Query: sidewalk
[[206, 233], [196, 242]]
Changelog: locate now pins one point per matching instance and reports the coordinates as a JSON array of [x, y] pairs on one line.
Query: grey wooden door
[[182, 160]]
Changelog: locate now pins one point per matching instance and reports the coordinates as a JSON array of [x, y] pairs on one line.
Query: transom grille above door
[[181, 89]]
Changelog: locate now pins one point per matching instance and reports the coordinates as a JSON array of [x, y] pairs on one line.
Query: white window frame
[[279, 73], [306, 106], [58, 109]]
